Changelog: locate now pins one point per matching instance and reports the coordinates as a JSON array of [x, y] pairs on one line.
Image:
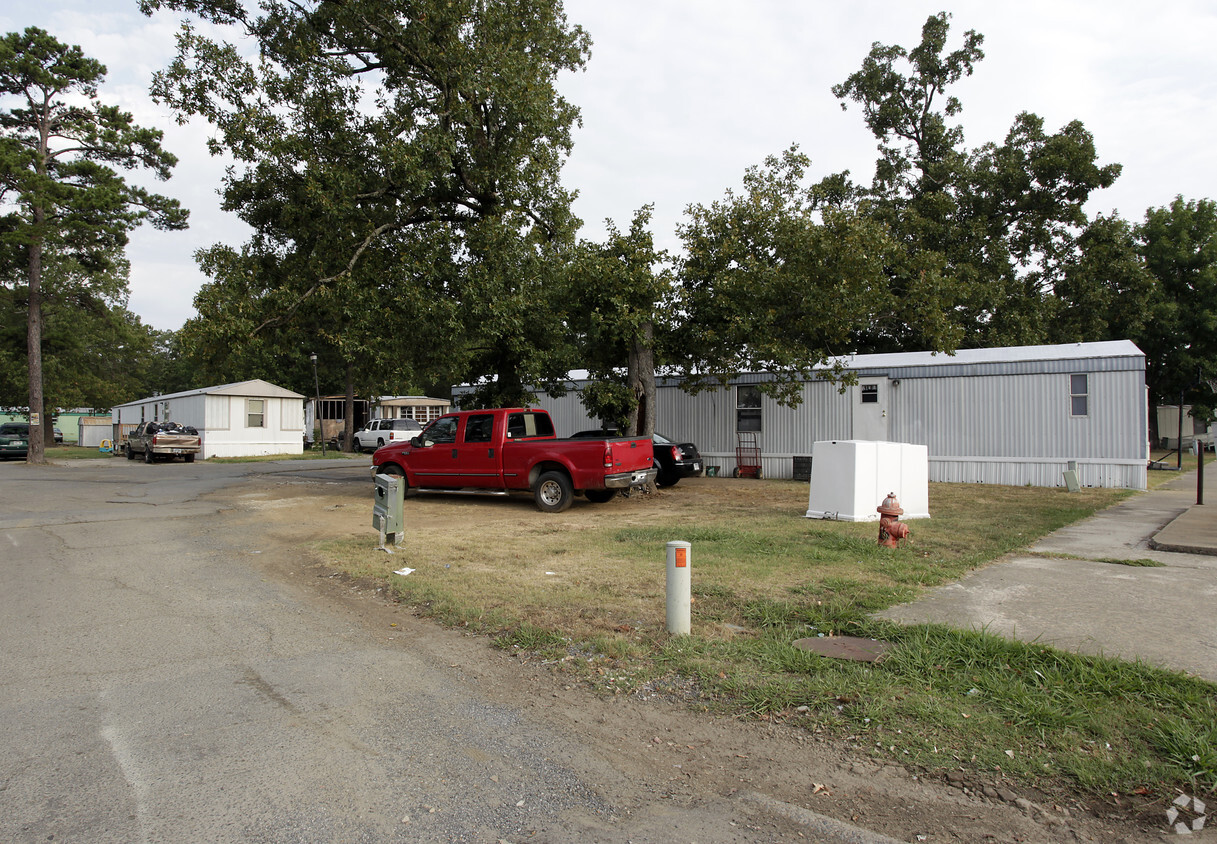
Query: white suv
[[381, 432]]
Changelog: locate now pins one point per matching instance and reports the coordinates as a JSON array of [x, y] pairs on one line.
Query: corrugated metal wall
[[994, 422], [1022, 416]]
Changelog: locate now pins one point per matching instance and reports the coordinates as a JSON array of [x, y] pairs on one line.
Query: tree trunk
[[640, 370], [348, 423], [37, 441]]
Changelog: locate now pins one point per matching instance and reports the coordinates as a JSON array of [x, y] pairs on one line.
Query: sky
[[680, 97]]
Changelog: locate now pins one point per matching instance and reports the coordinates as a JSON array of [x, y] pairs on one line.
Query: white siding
[[222, 421]]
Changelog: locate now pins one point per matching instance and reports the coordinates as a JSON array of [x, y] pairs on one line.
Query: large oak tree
[[399, 164], [1004, 217]]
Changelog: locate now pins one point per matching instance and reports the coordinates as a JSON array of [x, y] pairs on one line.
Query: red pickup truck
[[515, 449]]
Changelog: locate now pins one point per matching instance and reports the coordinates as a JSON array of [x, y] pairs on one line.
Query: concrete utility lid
[[846, 647]]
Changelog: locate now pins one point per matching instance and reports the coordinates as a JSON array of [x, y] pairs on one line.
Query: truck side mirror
[[417, 442]]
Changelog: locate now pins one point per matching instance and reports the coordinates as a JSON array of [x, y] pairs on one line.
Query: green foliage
[[618, 293], [776, 281], [1179, 245], [399, 165], [1107, 293], [66, 215], [1003, 219]]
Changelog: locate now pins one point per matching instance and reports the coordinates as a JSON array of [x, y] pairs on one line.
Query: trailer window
[[1079, 395], [747, 408], [255, 413]]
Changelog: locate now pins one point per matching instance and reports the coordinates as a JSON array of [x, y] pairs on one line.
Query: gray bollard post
[[680, 587]]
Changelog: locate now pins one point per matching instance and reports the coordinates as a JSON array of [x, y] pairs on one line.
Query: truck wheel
[[554, 492], [130, 454], [599, 496], [147, 455], [189, 458]]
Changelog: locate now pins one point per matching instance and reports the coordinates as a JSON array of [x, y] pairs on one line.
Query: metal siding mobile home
[[1002, 416]]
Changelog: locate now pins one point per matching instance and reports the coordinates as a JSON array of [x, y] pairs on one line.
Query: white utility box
[[850, 479]]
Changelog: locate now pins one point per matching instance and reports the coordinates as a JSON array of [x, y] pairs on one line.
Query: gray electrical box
[[387, 504]]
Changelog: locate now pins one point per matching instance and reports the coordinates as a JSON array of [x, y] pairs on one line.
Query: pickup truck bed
[[163, 440]]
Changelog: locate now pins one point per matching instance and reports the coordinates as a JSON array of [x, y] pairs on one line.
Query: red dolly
[[747, 455]]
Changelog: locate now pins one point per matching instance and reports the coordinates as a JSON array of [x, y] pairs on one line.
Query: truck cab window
[[522, 425], [478, 429], [443, 430]]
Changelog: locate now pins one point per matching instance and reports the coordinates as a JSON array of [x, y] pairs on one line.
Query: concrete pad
[[1162, 616], [1070, 598]]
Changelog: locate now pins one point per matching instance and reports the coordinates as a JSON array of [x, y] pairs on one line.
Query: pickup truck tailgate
[[631, 454], [175, 442]]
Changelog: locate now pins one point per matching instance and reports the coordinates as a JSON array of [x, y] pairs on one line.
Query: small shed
[[246, 419], [1015, 415], [91, 431]]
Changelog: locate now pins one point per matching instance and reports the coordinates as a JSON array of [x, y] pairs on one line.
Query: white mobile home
[[1016, 415], [1193, 429], [246, 419]]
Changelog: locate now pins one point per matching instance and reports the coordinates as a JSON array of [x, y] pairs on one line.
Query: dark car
[[14, 440], [674, 460]]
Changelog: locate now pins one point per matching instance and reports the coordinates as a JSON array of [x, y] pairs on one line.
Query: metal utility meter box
[[387, 504]]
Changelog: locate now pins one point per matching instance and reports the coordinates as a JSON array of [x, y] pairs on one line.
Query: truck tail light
[[154, 438], [608, 457]]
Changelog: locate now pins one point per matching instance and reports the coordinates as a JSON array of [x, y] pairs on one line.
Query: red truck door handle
[[490, 452], [454, 454]]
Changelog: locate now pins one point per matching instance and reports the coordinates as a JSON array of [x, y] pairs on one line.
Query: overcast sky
[[681, 96]]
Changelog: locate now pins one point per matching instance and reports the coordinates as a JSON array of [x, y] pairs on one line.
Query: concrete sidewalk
[[1076, 595]]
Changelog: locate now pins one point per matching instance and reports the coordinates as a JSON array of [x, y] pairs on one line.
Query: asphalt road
[[157, 686]]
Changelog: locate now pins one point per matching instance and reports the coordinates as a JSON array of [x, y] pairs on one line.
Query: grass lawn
[[584, 592], [315, 454], [74, 452]]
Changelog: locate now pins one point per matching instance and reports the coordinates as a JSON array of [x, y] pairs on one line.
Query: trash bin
[[387, 506]]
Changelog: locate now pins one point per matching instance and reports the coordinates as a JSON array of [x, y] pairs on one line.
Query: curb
[[1204, 551], [828, 830]]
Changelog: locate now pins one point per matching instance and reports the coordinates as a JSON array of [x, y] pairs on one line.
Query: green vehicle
[[14, 440]]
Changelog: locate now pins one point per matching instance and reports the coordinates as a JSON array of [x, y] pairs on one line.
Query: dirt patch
[[651, 745]]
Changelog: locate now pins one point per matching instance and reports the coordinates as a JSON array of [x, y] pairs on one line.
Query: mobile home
[[246, 419], [1019, 415]]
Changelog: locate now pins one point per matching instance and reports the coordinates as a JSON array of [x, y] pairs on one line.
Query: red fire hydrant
[[890, 530]]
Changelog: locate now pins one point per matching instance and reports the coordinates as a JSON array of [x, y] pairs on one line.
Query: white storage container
[[850, 479]]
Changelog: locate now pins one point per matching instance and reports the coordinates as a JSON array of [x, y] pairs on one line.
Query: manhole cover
[[846, 647]]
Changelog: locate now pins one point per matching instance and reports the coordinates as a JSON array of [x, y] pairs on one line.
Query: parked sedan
[[673, 460], [14, 440]]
